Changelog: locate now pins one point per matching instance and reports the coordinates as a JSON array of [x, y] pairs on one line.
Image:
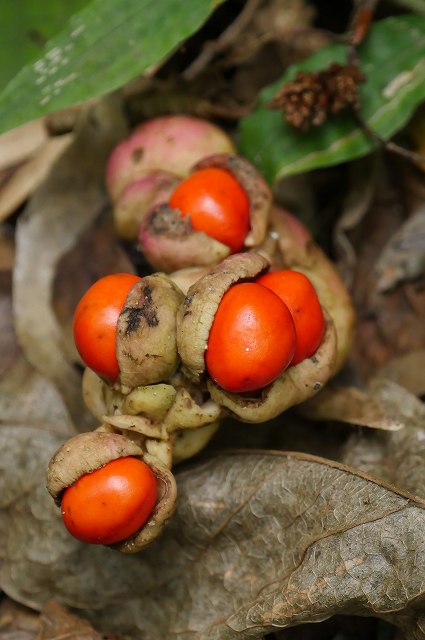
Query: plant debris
[[314, 96]]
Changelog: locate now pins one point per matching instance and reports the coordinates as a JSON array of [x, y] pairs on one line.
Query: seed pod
[[160, 412], [146, 332], [295, 385], [171, 143], [256, 188], [138, 198], [88, 452], [296, 250], [169, 240], [194, 320], [195, 316]]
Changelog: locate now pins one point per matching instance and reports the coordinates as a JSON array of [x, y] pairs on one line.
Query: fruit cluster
[[244, 316]]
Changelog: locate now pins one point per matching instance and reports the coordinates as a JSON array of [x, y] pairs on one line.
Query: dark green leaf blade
[[104, 46], [25, 32], [393, 61]]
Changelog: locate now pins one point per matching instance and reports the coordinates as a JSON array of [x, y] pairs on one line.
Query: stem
[[414, 5], [387, 144]]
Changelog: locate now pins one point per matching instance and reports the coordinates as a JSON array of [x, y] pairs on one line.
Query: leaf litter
[[262, 541]]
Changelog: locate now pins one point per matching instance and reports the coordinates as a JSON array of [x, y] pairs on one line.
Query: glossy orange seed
[[252, 339], [111, 503]]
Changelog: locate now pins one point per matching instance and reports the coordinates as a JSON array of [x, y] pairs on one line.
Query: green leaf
[[104, 46], [393, 61], [25, 32]]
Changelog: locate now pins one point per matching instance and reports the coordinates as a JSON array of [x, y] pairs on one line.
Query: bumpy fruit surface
[[252, 339], [216, 204], [299, 295], [95, 322], [111, 503]]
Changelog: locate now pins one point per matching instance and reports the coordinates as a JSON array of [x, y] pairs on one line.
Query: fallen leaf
[[30, 175], [389, 324], [361, 407], [398, 457], [28, 398], [7, 249], [358, 200], [97, 253], [403, 257], [61, 209], [17, 622], [9, 349], [56, 623], [260, 541], [19, 144], [405, 371]]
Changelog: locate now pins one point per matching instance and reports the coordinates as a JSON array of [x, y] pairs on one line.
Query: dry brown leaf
[[9, 349], [260, 541], [97, 253], [31, 174], [56, 623], [28, 398], [62, 208], [403, 257], [406, 371], [354, 406], [7, 249], [390, 324], [397, 457], [17, 622], [361, 190], [19, 144]]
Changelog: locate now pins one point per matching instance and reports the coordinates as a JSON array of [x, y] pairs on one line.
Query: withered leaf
[[19, 144], [9, 349], [260, 541], [403, 257], [60, 210], [30, 175], [17, 622], [389, 324], [56, 622], [397, 457], [361, 407], [405, 370], [28, 398]]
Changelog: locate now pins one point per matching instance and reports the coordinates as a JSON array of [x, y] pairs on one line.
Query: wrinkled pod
[[296, 249], [194, 320], [169, 240], [87, 452], [144, 168]]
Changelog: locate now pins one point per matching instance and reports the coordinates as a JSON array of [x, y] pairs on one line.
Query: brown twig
[[388, 144]]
